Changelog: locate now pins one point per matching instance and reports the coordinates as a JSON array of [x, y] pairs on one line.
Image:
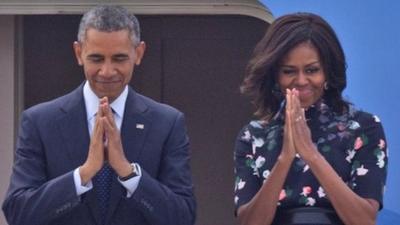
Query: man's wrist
[[133, 173], [84, 174]]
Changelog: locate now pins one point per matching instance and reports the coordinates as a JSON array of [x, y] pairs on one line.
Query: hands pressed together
[[297, 135], [105, 145]]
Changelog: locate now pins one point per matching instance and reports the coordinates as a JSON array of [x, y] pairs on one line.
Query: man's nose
[[107, 69]]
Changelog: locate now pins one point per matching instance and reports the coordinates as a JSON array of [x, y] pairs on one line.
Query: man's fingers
[[107, 111], [104, 100]]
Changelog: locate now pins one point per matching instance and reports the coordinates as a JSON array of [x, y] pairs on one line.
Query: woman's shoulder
[[358, 119], [362, 116], [257, 129]]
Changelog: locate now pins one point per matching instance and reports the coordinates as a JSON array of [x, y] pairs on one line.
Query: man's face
[[108, 60]]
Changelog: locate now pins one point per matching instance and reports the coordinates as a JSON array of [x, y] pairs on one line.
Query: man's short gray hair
[[108, 18]]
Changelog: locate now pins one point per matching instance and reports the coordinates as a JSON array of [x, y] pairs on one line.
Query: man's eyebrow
[[95, 55], [120, 55]]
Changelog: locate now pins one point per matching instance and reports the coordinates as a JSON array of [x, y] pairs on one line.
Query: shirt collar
[[92, 102]]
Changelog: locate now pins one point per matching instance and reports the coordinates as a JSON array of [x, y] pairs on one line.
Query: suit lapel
[[73, 127], [75, 134], [134, 129], [135, 126]]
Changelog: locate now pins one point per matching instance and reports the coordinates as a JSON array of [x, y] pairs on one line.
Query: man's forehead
[[92, 33]]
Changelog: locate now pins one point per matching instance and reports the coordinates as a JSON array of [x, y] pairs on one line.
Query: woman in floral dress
[[311, 157]]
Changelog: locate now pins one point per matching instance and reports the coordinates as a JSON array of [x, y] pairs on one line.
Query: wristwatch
[[134, 173]]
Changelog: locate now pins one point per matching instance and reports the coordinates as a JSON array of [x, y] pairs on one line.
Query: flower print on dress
[[350, 155], [321, 192], [310, 201], [282, 195], [240, 184], [306, 191], [376, 118], [300, 164], [260, 162], [272, 136], [256, 124], [266, 174], [353, 125], [362, 171], [257, 143], [381, 144], [306, 168], [255, 164], [358, 143], [285, 194], [358, 168], [380, 155], [246, 135], [305, 199]]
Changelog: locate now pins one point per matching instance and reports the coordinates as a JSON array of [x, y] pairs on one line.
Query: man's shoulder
[[154, 106], [52, 106]]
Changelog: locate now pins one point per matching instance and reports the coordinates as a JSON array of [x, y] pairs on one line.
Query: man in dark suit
[[102, 154]]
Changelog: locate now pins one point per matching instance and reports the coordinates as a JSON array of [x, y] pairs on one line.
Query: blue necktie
[[102, 182]]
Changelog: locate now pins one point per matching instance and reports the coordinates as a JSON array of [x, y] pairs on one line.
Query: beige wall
[[6, 103]]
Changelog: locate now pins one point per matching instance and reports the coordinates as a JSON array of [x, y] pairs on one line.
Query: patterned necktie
[[102, 182]]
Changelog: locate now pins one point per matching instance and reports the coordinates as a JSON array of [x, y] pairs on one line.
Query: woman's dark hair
[[285, 33]]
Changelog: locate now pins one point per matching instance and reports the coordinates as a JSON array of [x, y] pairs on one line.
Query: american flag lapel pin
[[139, 126]]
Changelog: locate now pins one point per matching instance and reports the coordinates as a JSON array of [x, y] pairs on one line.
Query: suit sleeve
[[169, 198], [32, 197]]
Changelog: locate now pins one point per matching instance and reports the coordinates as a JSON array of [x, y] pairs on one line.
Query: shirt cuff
[[80, 189], [132, 184]]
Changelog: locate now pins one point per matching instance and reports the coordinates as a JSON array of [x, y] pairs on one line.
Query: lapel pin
[[139, 126]]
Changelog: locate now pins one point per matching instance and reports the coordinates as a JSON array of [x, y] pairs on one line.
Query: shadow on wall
[[388, 217]]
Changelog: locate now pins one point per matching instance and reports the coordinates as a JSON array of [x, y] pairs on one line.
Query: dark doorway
[[194, 63]]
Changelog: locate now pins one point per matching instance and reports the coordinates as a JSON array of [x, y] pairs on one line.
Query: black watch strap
[[134, 173]]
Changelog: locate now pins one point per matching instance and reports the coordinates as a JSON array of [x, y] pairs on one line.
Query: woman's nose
[[301, 79]]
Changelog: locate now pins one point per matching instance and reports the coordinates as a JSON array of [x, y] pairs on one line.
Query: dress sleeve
[[369, 165], [247, 182]]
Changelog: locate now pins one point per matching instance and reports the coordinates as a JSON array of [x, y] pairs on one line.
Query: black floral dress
[[353, 143]]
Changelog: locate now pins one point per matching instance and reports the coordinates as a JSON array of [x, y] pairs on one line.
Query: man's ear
[[78, 52], [139, 50]]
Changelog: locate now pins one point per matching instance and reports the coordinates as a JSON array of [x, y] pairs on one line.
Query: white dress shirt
[[92, 105]]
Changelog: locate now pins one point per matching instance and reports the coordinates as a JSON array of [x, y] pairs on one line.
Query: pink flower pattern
[[282, 195], [306, 190], [358, 143]]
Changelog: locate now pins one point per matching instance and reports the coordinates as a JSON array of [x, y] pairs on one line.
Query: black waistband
[[307, 216]]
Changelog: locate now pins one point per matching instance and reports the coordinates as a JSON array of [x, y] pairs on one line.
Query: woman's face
[[301, 68]]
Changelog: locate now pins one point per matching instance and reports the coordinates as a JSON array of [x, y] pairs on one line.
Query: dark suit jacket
[[54, 139]]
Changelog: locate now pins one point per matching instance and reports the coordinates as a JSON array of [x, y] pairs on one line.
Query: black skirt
[[307, 216]]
